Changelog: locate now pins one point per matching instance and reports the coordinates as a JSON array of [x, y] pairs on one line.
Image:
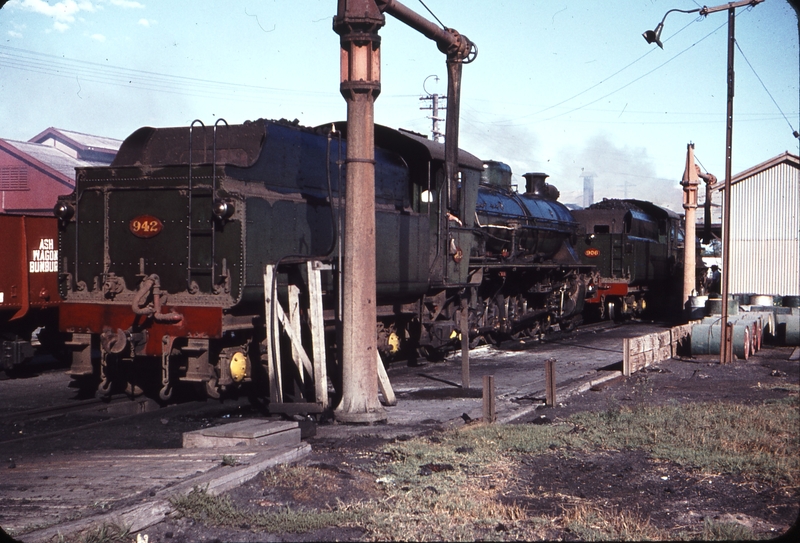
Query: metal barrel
[[706, 338], [787, 328], [791, 301], [714, 306], [763, 300], [741, 340], [697, 307], [756, 323]]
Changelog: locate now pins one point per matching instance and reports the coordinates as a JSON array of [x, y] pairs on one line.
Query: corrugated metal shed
[[765, 228], [59, 161], [34, 173], [78, 145]]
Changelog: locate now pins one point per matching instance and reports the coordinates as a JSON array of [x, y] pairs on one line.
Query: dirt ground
[[670, 495]]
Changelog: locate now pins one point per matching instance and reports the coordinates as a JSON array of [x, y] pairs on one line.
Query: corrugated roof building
[[34, 173], [765, 228]]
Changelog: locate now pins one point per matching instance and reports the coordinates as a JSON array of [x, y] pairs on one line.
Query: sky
[[569, 87]]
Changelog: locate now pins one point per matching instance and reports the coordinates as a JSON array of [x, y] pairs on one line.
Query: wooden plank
[[296, 339], [248, 432], [293, 323], [289, 437], [383, 383], [272, 340], [318, 347], [142, 515]]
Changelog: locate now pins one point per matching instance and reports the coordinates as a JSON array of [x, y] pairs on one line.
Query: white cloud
[[98, 37], [61, 27], [126, 4], [147, 22], [63, 12], [14, 34]]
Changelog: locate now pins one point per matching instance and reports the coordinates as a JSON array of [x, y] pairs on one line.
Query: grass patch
[[755, 441], [451, 485], [105, 533], [592, 523], [220, 511], [726, 531]]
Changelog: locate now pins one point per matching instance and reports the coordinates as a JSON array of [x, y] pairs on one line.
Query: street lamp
[[654, 36]]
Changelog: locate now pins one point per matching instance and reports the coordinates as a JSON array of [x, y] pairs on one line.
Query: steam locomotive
[[163, 253], [636, 248]]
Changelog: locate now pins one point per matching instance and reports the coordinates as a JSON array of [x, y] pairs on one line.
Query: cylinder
[[697, 307], [761, 300], [714, 306], [706, 338], [791, 301], [741, 340], [787, 328]]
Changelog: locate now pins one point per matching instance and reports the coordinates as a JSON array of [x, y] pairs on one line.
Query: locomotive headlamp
[[63, 211], [222, 209]]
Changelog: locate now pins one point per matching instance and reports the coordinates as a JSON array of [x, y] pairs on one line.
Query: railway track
[[93, 405], [70, 417]]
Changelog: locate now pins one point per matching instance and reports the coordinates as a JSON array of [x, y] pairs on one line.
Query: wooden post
[[626, 357], [293, 322], [464, 343], [384, 385], [489, 415], [550, 381], [272, 339], [317, 333]]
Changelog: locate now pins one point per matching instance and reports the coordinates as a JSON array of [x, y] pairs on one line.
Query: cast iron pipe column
[[690, 182], [357, 22]]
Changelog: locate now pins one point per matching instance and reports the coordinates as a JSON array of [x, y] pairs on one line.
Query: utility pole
[[434, 106], [654, 36]]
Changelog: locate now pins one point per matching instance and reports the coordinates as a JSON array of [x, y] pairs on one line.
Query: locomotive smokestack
[[535, 184]]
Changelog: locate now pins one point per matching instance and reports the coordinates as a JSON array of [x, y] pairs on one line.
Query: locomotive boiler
[[163, 253]]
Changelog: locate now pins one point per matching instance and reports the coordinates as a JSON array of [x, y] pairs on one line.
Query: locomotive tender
[[162, 253]]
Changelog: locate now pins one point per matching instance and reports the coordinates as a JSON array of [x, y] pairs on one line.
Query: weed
[[228, 460], [726, 531], [220, 511], [593, 523], [105, 533]]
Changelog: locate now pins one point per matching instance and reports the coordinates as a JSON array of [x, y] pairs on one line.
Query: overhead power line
[[57, 66], [794, 132]]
